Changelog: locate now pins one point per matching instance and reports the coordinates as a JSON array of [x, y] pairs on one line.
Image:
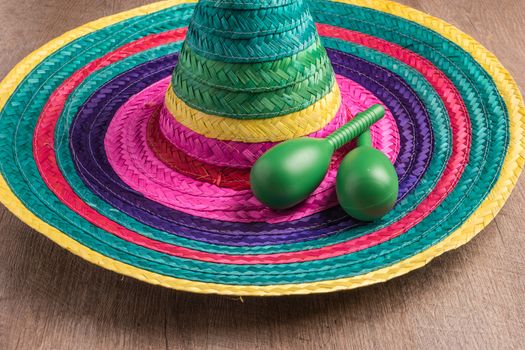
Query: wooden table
[[470, 298]]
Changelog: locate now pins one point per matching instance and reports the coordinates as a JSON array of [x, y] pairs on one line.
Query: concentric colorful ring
[[243, 155], [413, 164], [142, 112], [459, 153], [284, 127]]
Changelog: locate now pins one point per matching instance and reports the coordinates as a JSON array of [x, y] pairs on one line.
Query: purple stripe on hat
[[92, 165]]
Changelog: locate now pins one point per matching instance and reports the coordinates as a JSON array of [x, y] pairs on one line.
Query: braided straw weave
[[225, 31], [253, 63], [248, 104], [125, 138], [255, 77], [511, 167], [263, 91], [243, 155], [270, 19], [123, 86], [284, 127]]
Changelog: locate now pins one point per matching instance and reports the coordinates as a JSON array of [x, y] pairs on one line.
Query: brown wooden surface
[[473, 297]]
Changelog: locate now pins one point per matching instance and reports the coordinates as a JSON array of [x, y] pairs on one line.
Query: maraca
[[288, 173], [367, 183]]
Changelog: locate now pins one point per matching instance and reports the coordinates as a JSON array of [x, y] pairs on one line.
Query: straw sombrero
[[131, 147]]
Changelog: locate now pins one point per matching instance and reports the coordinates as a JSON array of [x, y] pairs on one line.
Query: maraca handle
[[359, 124], [365, 139]]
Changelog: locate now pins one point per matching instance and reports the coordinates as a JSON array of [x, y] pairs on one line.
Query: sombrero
[[131, 147]]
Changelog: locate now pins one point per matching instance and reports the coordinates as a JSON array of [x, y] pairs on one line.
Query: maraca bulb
[[366, 184], [288, 173]]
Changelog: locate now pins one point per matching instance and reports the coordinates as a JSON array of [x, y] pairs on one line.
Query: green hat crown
[[249, 59]]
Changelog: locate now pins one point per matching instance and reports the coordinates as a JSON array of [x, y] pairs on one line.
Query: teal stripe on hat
[[243, 24], [246, 4], [266, 33]]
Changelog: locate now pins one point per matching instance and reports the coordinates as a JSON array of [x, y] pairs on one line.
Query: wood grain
[[473, 297]]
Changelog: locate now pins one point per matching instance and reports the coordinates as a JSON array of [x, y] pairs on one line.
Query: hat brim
[[458, 111]]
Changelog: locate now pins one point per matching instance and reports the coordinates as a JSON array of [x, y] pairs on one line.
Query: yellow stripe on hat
[[285, 127]]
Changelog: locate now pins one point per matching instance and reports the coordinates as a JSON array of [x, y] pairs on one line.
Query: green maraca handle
[[365, 139], [357, 126]]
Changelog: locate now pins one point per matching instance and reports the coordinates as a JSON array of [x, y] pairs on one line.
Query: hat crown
[[247, 59]]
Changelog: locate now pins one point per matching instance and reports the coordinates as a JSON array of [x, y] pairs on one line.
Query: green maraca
[[367, 183], [288, 173]]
